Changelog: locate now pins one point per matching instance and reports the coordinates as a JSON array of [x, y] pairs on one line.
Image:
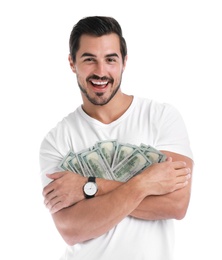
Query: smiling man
[[99, 69], [101, 207]]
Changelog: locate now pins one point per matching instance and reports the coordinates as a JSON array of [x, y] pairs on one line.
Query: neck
[[109, 112]]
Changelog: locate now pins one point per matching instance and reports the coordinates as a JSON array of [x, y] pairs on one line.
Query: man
[[128, 219]]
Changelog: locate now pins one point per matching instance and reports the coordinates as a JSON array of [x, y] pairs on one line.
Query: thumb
[[169, 159], [55, 175]]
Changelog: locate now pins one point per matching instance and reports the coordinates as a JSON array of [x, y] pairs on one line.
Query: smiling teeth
[[100, 83]]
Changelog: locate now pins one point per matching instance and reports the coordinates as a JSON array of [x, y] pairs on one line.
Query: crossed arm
[[162, 191]]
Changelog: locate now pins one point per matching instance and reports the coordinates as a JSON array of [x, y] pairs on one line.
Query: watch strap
[[92, 179]]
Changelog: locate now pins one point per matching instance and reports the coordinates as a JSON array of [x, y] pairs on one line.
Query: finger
[[181, 185], [179, 164], [183, 171], [169, 159], [47, 189], [50, 187], [58, 206], [55, 175], [49, 197], [183, 179], [53, 202], [181, 182]]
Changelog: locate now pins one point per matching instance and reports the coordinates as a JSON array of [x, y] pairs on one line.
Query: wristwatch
[[90, 188]]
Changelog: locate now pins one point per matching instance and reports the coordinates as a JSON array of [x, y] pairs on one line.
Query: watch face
[[90, 188]]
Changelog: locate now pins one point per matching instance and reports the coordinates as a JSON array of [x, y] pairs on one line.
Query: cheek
[[118, 75], [82, 80], [118, 72], [83, 72], [79, 78], [80, 74]]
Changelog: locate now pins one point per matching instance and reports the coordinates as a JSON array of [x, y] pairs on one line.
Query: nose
[[100, 69]]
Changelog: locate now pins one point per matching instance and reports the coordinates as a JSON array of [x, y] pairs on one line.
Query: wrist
[[105, 186], [140, 186]]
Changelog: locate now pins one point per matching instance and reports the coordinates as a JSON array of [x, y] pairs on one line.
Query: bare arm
[[90, 218], [171, 205]]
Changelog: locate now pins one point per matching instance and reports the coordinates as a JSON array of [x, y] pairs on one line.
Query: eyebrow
[[87, 54]]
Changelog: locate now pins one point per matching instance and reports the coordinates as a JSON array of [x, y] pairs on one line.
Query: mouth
[[99, 85]]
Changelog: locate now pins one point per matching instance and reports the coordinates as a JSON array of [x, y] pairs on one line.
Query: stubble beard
[[99, 100]]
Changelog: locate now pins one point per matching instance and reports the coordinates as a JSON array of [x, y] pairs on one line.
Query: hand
[[64, 191], [166, 177]]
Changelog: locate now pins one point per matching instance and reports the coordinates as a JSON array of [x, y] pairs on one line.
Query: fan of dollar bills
[[112, 160]]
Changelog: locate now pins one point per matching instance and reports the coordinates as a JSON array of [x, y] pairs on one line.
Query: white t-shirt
[[145, 121]]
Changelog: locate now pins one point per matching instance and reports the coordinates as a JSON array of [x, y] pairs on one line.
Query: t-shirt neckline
[[97, 122]]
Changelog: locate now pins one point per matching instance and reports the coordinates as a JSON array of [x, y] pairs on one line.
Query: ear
[[124, 63], [71, 63]]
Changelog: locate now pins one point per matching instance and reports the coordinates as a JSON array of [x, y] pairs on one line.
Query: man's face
[[99, 68]]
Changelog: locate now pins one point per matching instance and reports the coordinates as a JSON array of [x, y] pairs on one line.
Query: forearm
[[84, 219], [170, 206], [93, 217]]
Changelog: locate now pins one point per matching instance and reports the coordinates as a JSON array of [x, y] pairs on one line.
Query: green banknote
[[110, 159], [75, 165], [108, 149], [122, 151], [153, 154], [131, 166], [64, 163], [96, 164]]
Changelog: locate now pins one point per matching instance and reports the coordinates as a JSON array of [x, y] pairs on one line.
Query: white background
[[175, 56]]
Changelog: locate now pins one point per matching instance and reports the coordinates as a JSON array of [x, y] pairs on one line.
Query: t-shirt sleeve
[[52, 150], [171, 132]]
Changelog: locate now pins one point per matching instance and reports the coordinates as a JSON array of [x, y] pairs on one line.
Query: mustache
[[104, 78]]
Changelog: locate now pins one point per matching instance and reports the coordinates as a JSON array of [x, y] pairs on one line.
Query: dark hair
[[96, 26]]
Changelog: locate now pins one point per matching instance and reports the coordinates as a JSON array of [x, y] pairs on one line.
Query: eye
[[89, 60], [111, 60]]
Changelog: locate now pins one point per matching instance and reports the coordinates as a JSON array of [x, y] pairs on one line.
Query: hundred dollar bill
[[111, 160], [96, 164], [131, 166], [82, 164], [74, 164], [108, 149], [152, 153], [122, 151], [64, 163]]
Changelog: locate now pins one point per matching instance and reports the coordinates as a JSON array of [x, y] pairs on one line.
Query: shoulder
[[156, 108], [65, 122], [60, 131]]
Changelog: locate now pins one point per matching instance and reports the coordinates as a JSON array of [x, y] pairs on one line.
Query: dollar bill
[[74, 164], [96, 164], [81, 162], [131, 166], [154, 155], [110, 159], [122, 151], [108, 149], [64, 163]]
